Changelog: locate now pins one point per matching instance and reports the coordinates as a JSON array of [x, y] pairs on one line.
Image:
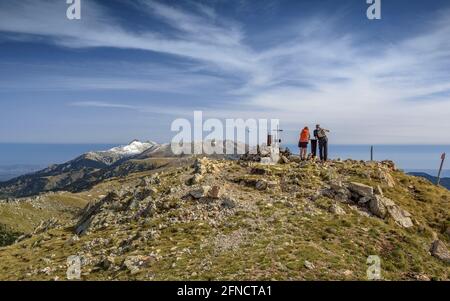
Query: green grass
[[7, 236]]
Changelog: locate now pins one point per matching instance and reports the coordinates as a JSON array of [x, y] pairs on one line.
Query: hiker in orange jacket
[[303, 143]]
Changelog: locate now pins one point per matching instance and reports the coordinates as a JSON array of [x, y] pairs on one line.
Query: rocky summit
[[218, 219]]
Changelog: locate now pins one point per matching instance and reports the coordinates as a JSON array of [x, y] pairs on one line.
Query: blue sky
[[127, 69]]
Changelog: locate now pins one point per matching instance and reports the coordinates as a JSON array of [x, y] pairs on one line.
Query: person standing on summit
[[303, 143], [321, 135]]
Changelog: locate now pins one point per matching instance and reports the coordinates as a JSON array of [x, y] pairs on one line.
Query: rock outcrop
[[440, 251]]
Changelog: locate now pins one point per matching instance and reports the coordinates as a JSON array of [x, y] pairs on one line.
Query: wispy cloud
[[100, 104], [317, 73], [148, 108]]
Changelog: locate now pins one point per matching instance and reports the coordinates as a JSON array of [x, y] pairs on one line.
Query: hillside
[[234, 220], [445, 182]]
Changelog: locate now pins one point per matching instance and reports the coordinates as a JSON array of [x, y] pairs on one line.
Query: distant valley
[[8, 172]]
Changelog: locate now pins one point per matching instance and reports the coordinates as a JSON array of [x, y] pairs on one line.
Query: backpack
[[321, 134]]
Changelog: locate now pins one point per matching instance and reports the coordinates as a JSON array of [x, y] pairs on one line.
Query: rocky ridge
[[222, 219]]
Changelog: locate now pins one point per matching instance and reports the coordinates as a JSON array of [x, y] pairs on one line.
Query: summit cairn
[[268, 153]]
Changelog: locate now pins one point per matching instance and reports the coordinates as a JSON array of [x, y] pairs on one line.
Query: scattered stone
[[272, 184], [215, 192], [284, 160], [261, 185], [309, 265], [106, 262], [348, 273], [266, 160], [228, 203], [336, 209], [294, 158], [440, 251], [195, 179], [135, 263], [389, 164], [200, 193], [258, 171], [419, 277], [336, 186], [44, 226], [72, 241]]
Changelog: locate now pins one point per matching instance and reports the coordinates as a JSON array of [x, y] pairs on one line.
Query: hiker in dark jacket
[[321, 136]]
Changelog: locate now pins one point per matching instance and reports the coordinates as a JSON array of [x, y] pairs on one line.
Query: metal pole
[[371, 153], [440, 169]]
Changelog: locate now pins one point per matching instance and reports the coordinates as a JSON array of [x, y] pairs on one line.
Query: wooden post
[[371, 153], [440, 169]]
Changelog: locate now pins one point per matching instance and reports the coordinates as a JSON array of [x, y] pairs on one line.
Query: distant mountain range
[[445, 182], [79, 173], [93, 167]]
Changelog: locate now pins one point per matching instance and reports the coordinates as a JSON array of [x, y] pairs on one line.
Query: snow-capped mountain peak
[[134, 148]]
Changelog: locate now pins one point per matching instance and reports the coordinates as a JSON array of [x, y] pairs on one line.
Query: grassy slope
[[269, 235]]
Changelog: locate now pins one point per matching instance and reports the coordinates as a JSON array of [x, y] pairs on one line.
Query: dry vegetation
[[267, 222]]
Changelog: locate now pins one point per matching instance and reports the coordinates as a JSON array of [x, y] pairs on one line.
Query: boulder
[[400, 216], [90, 211], [385, 176], [384, 207], [377, 207], [440, 251], [361, 189]]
